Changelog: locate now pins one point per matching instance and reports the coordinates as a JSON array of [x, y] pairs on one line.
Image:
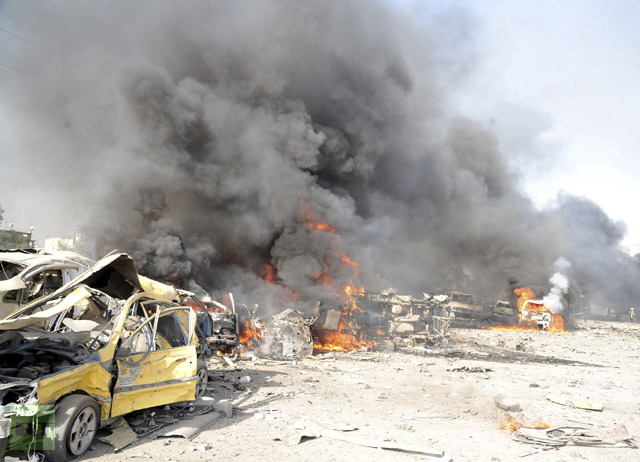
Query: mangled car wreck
[[108, 343], [27, 274]]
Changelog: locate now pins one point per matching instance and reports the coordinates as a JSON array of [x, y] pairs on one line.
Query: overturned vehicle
[[405, 316], [107, 343]]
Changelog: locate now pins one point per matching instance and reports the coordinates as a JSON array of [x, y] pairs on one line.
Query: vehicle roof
[[115, 275], [42, 257]]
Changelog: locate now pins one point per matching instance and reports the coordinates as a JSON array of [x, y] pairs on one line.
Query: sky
[[557, 82]]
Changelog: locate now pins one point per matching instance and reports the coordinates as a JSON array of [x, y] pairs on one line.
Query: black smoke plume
[[202, 136]]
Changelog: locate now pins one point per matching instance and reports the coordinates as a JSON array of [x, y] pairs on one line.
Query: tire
[[77, 419], [202, 379]]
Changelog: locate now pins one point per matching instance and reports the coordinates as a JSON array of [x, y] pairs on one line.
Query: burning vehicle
[[27, 274], [372, 316], [534, 312], [346, 317], [106, 344], [286, 335], [217, 325]]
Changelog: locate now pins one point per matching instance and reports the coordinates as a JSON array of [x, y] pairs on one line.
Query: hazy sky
[[556, 81], [559, 82]]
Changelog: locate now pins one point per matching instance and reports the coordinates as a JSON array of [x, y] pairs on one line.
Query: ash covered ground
[[418, 398]]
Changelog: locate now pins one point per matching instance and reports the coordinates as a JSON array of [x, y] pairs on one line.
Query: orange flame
[[557, 323], [269, 273], [349, 335], [312, 223], [525, 293], [249, 333], [346, 262], [323, 278]]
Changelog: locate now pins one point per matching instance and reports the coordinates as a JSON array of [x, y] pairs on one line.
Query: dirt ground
[[417, 398]]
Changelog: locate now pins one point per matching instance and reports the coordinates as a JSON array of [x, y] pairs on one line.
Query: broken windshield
[[9, 269]]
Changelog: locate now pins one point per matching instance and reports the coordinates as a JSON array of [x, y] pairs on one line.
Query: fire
[[511, 424], [349, 335], [312, 223], [525, 294], [341, 339], [323, 278], [354, 292], [557, 323], [248, 333], [346, 262], [527, 303], [269, 273]]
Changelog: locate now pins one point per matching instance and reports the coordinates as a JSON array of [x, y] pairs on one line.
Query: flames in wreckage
[[205, 151]]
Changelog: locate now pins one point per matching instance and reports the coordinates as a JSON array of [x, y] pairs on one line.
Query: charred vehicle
[[29, 274], [405, 315], [463, 305], [106, 344], [217, 325], [380, 314], [504, 308]]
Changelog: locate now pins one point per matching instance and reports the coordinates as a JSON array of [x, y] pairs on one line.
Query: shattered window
[[172, 331], [170, 334], [12, 296], [44, 283], [9, 269]]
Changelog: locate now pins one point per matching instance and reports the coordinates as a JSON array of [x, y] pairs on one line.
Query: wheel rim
[[83, 431], [201, 386]]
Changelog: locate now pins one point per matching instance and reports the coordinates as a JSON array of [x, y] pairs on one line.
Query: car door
[[157, 364]]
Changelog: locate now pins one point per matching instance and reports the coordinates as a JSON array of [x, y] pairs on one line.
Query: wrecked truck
[[464, 305], [27, 274], [99, 347]]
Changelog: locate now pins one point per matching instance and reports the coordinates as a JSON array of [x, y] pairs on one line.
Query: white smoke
[[559, 286]]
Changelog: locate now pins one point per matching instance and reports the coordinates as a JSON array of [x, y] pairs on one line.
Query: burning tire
[[77, 418]]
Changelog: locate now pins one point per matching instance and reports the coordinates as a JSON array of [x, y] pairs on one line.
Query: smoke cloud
[[202, 137], [559, 286]]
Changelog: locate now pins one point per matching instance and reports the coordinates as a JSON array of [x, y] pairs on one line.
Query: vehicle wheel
[[202, 379], [76, 421]]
